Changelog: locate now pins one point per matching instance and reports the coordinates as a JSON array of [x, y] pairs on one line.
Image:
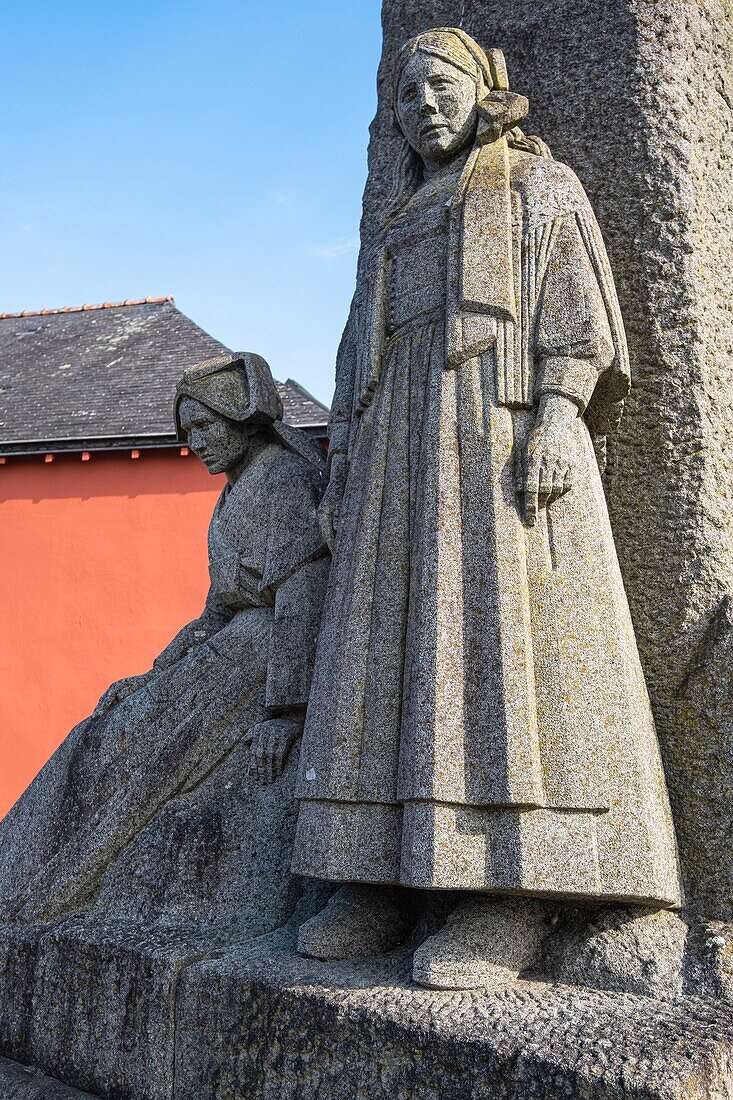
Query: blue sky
[[216, 152]]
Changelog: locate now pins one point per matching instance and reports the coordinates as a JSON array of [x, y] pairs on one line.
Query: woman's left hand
[[271, 742], [120, 690], [544, 464]]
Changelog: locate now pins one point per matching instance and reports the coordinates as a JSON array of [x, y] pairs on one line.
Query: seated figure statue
[[166, 803]]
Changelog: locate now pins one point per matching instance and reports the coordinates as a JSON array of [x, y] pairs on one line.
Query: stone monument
[[636, 96], [496, 901], [129, 817], [162, 828], [479, 719]]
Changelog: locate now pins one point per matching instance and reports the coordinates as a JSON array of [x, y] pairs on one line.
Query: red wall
[[101, 563]]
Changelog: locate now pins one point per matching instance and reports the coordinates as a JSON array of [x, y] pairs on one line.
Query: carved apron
[[478, 717]]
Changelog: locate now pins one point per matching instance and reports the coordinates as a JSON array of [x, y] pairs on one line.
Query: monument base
[[26, 1083], [131, 1017]]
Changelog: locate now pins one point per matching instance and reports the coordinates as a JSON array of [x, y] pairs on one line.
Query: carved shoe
[[357, 921], [622, 947], [485, 942]]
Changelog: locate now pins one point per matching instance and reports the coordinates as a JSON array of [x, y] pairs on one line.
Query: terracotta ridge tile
[[87, 308]]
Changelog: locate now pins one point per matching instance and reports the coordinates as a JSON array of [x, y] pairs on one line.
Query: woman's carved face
[[219, 443], [436, 107]]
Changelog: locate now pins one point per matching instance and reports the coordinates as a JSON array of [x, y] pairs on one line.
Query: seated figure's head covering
[[241, 388]]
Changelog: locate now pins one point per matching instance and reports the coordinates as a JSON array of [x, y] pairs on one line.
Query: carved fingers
[[331, 504], [118, 691], [543, 469], [270, 744]]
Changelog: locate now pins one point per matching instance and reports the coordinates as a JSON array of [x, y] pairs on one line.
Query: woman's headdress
[[240, 387], [453, 45], [499, 110]]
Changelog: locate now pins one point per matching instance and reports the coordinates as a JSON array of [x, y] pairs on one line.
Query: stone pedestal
[[256, 1022]]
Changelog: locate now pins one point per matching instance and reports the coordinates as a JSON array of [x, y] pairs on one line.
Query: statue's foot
[[357, 921], [486, 941], [620, 947]]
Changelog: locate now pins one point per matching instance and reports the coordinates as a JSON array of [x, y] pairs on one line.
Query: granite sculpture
[[479, 719], [152, 808], [636, 95], [620, 1001]]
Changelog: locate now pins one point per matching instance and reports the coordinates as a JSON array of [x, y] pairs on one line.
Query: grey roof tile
[[105, 375]]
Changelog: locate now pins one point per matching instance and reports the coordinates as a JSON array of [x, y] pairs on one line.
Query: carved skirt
[[478, 716], [147, 809]]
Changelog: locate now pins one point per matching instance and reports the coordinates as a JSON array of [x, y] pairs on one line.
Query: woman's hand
[[120, 690], [330, 506], [544, 465], [270, 744]]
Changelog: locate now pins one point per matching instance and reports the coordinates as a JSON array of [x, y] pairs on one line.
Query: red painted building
[[103, 515]]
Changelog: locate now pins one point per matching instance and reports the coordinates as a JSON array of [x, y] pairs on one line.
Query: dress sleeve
[[296, 573], [574, 346], [298, 605]]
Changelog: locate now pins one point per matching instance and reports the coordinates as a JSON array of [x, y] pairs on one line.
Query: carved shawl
[[511, 213]]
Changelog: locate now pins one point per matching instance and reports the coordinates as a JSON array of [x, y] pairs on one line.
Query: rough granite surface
[[636, 96], [313, 1030], [21, 1083], [131, 1002], [257, 1021]]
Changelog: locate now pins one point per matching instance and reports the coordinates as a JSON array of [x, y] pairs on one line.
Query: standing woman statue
[[478, 720]]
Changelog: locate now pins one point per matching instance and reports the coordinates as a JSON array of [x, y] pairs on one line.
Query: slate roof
[[103, 377]]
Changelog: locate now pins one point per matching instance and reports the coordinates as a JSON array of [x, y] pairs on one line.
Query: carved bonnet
[[241, 388], [453, 45]]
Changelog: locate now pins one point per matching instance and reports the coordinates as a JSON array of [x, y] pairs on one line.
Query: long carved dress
[[478, 718], [146, 810]]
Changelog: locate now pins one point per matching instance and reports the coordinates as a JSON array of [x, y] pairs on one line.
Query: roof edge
[[87, 308], [110, 444], [308, 394]]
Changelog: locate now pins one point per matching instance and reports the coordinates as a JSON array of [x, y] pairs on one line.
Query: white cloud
[[330, 252], [283, 198]]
